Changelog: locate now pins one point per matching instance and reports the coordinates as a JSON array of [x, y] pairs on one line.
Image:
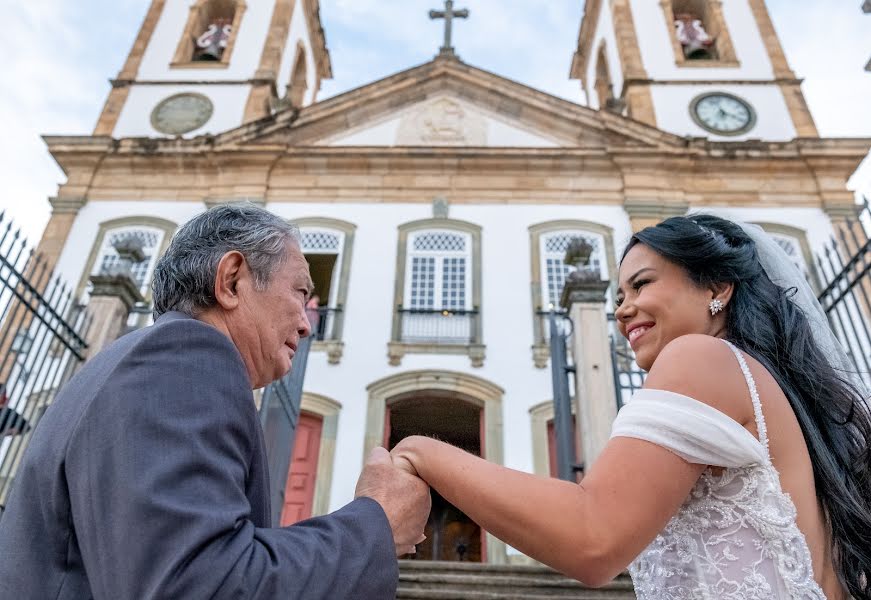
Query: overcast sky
[[60, 54]]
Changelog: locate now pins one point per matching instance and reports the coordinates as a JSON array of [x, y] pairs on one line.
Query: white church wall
[[135, 118], [506, 302], [604, 33], [654, 41], [158, 55], [506, 312], [773, 121], [298, 34]]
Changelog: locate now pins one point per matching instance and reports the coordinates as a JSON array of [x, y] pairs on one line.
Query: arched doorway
[[450, 534], [459, 408]]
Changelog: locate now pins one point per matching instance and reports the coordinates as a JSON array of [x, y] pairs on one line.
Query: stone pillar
[[595, 397], [113, 295]]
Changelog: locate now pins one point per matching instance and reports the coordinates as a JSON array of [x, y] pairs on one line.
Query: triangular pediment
[[448, 103], [444, 120]]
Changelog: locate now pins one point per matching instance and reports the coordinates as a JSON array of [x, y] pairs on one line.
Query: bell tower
[[701, 68], [207, 66]]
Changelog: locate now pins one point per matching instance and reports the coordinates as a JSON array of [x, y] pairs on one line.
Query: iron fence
[[436, 326], [628, 376], [843, 267], [42, 342]]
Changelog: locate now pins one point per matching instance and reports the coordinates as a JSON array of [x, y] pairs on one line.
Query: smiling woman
[[750, 448]]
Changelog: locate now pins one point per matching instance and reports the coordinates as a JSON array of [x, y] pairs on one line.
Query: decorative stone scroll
[[442, 122]]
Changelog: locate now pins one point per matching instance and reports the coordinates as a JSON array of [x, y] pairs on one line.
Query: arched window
[[210, 33], [323, 251], [555, 270], [438, 291], [548, 244], [792, 247], [699, 31], [154, 235]]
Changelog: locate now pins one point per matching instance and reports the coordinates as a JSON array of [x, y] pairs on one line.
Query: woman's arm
[[590, 531]]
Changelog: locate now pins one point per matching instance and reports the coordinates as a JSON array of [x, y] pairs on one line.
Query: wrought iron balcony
[[438, 326], [323, 321]]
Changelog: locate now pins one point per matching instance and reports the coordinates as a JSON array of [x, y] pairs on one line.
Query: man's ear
[[231, 269]]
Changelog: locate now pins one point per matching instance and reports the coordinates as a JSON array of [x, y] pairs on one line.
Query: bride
[[741, 470]]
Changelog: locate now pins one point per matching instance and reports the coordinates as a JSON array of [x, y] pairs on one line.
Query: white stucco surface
[[773, 122], [228, 102]]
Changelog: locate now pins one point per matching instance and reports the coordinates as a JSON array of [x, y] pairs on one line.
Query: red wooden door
[[300, 490]]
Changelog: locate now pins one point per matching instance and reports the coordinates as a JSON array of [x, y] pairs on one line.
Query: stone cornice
[[803, 172], [66, 205], [120, 286]]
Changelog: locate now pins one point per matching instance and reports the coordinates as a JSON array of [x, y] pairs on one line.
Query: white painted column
[[595, 396]]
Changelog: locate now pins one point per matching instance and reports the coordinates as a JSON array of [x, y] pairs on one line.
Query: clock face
[[181, 113], [723, 114]]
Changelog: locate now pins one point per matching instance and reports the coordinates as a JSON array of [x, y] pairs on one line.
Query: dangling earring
[[715, 306]]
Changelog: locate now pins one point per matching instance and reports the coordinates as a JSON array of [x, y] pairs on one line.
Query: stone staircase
[[434, 580]]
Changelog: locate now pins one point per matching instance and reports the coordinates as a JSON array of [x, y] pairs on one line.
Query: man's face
[[271, 321]]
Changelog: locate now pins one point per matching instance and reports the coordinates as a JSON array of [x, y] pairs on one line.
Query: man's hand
[[405, 498]]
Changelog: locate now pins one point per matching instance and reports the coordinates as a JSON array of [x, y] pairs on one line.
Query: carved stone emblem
[[442, 122]]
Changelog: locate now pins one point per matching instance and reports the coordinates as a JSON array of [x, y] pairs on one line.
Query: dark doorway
[[450, 534], [321, 268]]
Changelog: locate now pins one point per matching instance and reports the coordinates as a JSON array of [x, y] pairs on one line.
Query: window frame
[[475, 349], [799, 236], [106, 228], [183, 56], [440, 256], [334, 347], [717, 25]]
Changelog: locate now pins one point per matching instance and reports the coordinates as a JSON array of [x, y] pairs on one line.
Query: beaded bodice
[[735, 537]]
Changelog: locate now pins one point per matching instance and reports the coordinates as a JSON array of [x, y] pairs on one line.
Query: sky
[[59, 57]]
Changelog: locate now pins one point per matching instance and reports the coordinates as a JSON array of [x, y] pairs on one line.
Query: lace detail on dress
[[734, 538]]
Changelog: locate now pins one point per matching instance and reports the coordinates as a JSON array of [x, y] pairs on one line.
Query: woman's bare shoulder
[[703, 367]]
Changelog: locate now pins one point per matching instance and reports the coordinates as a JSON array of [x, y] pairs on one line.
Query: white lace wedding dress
[[735, 537]]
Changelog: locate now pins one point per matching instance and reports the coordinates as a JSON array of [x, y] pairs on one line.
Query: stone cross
[[448, 14]]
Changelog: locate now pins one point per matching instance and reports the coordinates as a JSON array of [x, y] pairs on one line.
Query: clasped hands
[[392, 480]]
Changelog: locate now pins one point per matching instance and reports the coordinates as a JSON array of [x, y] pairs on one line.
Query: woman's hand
[[406, 455]]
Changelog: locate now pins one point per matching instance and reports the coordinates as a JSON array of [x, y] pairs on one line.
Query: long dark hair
[[764, 322]]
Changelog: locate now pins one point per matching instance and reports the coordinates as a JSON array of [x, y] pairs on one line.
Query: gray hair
[[184, 278]]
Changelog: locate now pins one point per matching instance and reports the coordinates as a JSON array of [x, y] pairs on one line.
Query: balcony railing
[[435, 326], [323, 322]]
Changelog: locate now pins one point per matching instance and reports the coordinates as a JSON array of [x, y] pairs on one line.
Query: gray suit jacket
[[147, 479]]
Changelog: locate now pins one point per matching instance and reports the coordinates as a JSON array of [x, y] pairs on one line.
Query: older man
[[147, 477]]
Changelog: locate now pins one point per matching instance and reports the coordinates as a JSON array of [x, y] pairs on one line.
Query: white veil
[[784, 273]]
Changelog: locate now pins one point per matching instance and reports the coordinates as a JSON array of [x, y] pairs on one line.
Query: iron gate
[[42, 342]]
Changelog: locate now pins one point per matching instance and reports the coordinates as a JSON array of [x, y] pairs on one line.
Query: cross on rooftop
[[448, 14]]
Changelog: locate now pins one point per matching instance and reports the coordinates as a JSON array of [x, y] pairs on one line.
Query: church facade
[[435, 205]]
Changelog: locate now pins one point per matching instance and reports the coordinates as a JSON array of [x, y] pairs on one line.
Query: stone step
[[433, 580]]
